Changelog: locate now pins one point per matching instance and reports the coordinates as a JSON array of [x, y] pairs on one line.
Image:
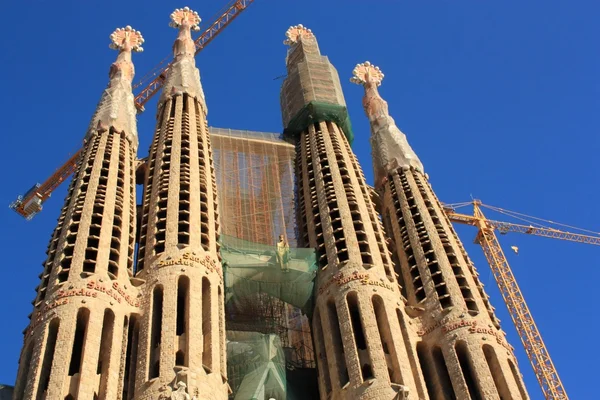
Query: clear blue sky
[[499, 99]]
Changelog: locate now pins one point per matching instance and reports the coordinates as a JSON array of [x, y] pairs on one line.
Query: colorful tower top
[[389, 145], [183, 76], [297, 33], [116, 107]]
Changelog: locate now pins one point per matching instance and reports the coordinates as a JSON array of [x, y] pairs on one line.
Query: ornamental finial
[[126, 39], [366, 73], [184, 17], [296, 33]]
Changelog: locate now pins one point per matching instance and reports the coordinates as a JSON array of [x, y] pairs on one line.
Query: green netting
[[251, 268], [315, 112], [255, 366]]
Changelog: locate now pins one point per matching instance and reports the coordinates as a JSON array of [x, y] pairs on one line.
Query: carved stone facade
[[98, 331], [460, 350], [411, 323]]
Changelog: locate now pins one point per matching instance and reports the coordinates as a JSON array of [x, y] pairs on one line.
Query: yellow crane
[[536, 350]]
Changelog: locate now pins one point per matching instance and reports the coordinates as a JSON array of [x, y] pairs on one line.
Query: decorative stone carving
[[126, 39], [185, 17], [165, 393], [403, 392], [181, 393], [296, 33], [367, 72], [283, 250]]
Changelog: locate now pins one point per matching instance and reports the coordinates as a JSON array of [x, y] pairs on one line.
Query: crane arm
[[31, 202], [531, 338], [505, 227], [233, 9]]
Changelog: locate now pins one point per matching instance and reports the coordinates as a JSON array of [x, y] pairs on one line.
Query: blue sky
[[499, 100]]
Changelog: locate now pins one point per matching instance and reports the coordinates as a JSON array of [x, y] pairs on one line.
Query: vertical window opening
[[336, 338], [206, 324], [24, 365], [48, 358], [359, 336], [321, 352], [108, 325], [517, 377], [427, 369], [183, 290], [131, 355], [387, 343], [467, 370], [496, 371], [77, 354], [155, 335], [182, 304], [442, 374]]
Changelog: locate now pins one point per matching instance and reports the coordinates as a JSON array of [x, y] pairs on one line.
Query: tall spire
[[183, 76], [389, 145], [116, 107]]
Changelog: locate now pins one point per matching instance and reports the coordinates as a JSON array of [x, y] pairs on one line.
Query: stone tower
[[462, 352], [74, 342], [356, 322], [182, 328]]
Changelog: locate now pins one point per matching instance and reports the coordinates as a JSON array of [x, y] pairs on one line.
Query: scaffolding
[[267, 293]]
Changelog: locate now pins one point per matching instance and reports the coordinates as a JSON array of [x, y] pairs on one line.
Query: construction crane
[[30, 204], [531, 338]]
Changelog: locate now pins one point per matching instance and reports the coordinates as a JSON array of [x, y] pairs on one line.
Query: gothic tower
[[356, 322], [462, 352], [74, 342], [182, 332]]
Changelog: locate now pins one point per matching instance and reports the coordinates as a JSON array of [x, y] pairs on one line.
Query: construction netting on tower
[[312, 91], [268, 280]]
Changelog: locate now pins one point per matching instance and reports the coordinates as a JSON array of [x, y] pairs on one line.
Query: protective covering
[[315, 112], [312, 91], [268, 280], [256, 366], [251, 268]]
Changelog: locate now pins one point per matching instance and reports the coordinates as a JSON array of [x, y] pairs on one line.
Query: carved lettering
[[39, 316], [192, 260], [473, 328], [341, 279]]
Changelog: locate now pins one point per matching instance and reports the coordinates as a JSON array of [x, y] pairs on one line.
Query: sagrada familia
[[134, 301]]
